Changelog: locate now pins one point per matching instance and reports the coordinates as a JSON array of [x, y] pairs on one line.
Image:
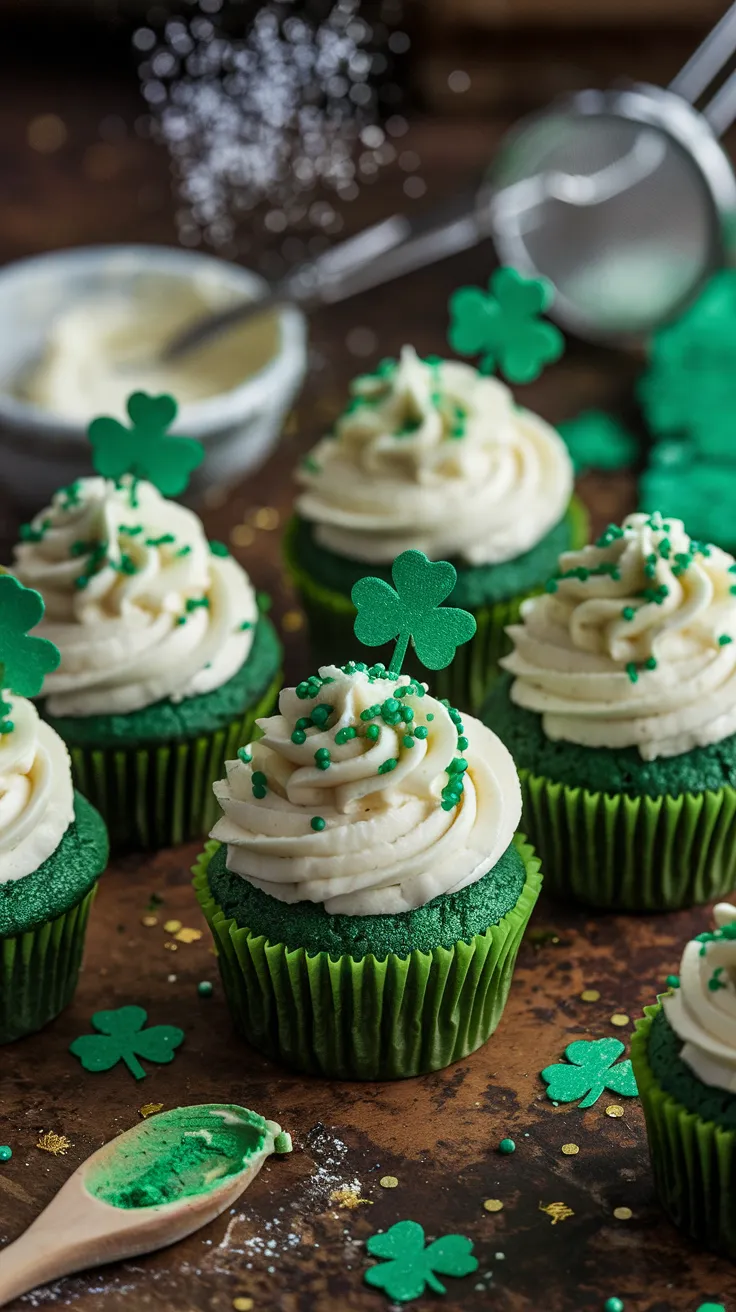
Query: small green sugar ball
[[5, 1153], [204, 989], [613, 1305], [318, 823], [507, 1146]]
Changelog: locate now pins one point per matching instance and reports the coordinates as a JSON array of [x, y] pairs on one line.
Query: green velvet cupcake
[[166, 661], [428, 454], [620, 720], [684, 1058], [368, 894]]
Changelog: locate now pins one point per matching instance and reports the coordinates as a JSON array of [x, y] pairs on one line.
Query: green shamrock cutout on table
[[410, 1267], [503, 327], [146, 450], [594, 1067], [24, 660], [122, 1037], [412, 610], [597, 440]]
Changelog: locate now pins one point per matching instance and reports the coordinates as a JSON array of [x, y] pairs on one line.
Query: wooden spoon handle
[[33, 1260]]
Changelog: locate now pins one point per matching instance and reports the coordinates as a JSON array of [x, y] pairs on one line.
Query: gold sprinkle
[[54, 1143], [149, 921], [557, 1211], [172, 926], [570, 1149], [188, 935], [620, 1018], [388, 1182], [292, 621], [613, 1109], [493, 1205], [623, 1213], [242, 1304], [242, 535], [267, 517], [171, 946], [590, 995], [348, 1198], [47, 133], [150, 1109]]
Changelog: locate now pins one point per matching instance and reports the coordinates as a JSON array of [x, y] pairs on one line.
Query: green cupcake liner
[[465, 683], [39, 971], [369, 1019], [693, 1160], [631, 853], [152, 797]]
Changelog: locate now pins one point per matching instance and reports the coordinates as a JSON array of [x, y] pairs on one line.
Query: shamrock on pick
[[122, 1037], [412, 609], [409, 1266], [593, 1067], [503, 326], [24, 660], [146, 449]]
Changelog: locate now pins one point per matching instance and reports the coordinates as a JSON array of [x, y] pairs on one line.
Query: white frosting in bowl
[[635, 643], [702, 1011], [36, 793], [433, 455], [393, 837], [136, 601]]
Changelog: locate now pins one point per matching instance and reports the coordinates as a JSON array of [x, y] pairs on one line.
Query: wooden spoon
[[151, 1186]]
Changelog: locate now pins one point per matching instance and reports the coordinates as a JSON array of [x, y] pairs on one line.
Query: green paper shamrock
[[503, 326], [591, 1072], [122, 1037], [413, 611], [24, 660], [145, 450], [410, 1267], [597, 440]]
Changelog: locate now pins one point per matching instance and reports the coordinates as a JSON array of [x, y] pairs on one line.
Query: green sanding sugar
[[677, 1079], [168, 721], [441, 923], [603, 769], [477, 585], [63, 879]]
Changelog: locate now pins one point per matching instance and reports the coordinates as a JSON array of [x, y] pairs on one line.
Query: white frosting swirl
[[435, 456], [634, 645], [36, 793], [138, 605], [702, 1011], [392, 838]]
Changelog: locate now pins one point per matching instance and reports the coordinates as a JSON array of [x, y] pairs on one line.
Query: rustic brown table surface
[[290, 1244]]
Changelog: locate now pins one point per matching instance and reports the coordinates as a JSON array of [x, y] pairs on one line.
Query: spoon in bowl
[[150, 1187]]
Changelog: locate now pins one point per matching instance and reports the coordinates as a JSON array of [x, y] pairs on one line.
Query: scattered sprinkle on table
[[493, 1205], [241, 1304], [172, 926], [556, 1211], [507, 1146], [186, 935], [570, 1149], [57, 1144], [292, 621], [590, 995], [613, 1109], [711, 1307], [620, 1018], [204, 988], [613, 1305], [348, 1196], [388, 1182], [149, 921], [5, 1153], [150, 1109], [623, 1213], [171, 946]]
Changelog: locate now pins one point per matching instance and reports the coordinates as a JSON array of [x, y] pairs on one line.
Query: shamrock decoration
[[597, 440], [122, 1037], [410, 1267], [145, 450], [24, 660], [412, 610], [503, 326], [591, 1072]]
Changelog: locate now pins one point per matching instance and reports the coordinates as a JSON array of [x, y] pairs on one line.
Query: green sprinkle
[[421, 731], [321, 714], [131, 530], [507, 1146], [298, 737], [194, 602], [245, 624], [551, 585], [724, 640], [430, 715], [5, 1153], [408, 740], [650, 663], [673, 981], [184, 551], [127, 565], [344, 735], [6, 726], [458, 766], [632, 672], [387, 766], [82, 580], [628, 613], [244, 755], [462, 744], [259, 791], [219, 549], [322, 758], [164, 540], [373, 733], [259, 778], [28, 533], [318, 824], [311, 465], [204, 988], [715, 982]]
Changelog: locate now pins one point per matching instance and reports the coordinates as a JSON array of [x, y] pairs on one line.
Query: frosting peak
[[368, 795], [36, 793], [702, 1011], [431, 454], [137, 603], [633, 644]]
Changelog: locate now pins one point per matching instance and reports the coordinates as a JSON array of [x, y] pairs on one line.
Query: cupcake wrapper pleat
[[369, 1019], [39, 971], [693, 1161], [157, 796], [631, 853]]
